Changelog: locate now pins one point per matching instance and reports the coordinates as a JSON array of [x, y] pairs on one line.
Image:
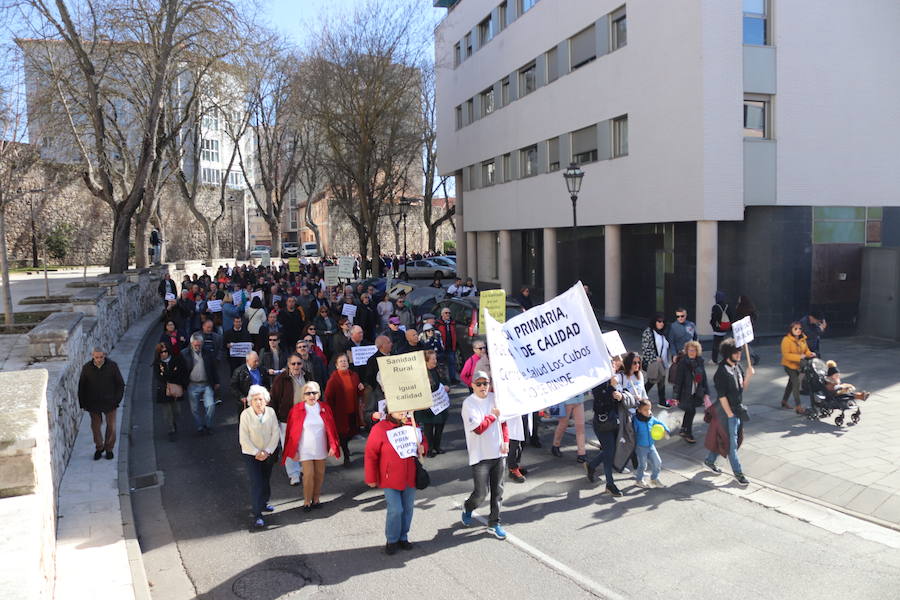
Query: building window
[[293, 215], [234, 179], [756, 23], [210, 150], [459, 119], [584, 145], [526, 5], [487, 101], [583, 47], [504, 91], [618, 30], [529, 161], [496, 274], [527, 79], [847, 225], [487, 173], [469, 177], [552, 57], [485, 31], [501, 16], [468, 41], [470, 110], [210, 176], [553, 154], [211, 120], [620, 136], [507, 167], [46, 141], [756, 117], [457, 54]]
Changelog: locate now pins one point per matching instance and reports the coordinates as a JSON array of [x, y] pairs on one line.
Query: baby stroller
[[823, 402]]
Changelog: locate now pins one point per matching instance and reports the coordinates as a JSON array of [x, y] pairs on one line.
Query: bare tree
[[366, 81], [433, 182], [106, 66]]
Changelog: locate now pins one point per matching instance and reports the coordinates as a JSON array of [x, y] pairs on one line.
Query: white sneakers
[[653, 483], [641, 483], [657, 483]]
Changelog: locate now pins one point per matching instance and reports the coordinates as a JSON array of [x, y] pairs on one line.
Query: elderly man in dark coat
[[100, 391]]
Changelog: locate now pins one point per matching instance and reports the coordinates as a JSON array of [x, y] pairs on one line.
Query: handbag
[[423, 479], [174, 390]]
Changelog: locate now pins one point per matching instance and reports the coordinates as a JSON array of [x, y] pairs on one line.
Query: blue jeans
[[643, 454], [260, 471], [734, 424], [399, 514], [197, 393], [606, 455], [450, 358]]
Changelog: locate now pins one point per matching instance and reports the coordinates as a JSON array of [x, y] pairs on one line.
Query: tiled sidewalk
[[92, 559]]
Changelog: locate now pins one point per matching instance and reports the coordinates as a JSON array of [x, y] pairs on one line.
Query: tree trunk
[[4, 266], [275, 232], [121, 237], [307, 218], [140, 241], [432, 238]]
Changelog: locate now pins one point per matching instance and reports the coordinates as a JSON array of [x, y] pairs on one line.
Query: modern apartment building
[[741, 145]]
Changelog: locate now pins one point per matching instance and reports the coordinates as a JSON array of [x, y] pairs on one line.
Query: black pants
[[515, 454], [260, 471], [660, 389], [690, 410], [607, 453], [433, 433], [717, 341], [792, 387], [488, 475]]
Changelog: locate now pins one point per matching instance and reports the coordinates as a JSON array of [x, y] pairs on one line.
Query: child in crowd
[[833, 383], [645, 446]]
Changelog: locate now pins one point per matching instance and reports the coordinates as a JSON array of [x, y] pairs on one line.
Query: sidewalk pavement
[[94, 555], [854, 469]]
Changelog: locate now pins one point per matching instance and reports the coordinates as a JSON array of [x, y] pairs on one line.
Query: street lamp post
[[573, 176], [404, 208]]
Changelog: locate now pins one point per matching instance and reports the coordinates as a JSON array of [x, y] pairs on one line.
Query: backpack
[[724, 322]]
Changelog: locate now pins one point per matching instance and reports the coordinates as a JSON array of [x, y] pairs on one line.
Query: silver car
[[427, 267], [258, 252]]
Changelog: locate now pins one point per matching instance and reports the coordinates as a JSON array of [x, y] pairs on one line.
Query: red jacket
[[294, 431], [342, 394], [448, 334], [383, 465]]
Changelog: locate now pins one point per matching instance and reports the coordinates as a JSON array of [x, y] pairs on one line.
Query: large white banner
[[547, 354]]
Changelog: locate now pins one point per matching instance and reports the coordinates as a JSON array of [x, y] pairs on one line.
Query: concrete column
[[505, 262], [472, 258], [612, 288], [462, 247], [707, 272], [550, 285]]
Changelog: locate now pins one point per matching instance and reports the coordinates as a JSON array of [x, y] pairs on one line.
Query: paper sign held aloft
[[494, 302], [170, 297], [214, 306], [331, 276], [237, 297], [440, 400], [614, 344], [349, 311], [345, 267], [404, 440], [361, 354], [258, 294], [240, 349], [404, 379], [294, 265], [743, 332]]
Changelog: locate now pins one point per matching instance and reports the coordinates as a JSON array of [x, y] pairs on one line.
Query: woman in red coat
[[309, 437], [342, 394], [396, 476]]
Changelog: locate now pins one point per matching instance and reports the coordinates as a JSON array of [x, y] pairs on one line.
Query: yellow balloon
[[657, 432]]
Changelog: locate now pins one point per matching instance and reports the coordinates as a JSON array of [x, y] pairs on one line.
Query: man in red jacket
[[390, 464], [447, 327]]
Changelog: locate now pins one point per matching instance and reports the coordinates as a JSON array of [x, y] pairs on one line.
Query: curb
[[132, 547]]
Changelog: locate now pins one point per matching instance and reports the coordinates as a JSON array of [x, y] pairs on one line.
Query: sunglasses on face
[[481, 383], [294, 364], [479, 348], [680, 316], [310, 393]]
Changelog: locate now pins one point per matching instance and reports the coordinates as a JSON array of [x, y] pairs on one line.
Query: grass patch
[[23, 322], [45, 300]]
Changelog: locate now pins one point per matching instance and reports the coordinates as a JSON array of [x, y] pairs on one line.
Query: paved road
[[690, 540]]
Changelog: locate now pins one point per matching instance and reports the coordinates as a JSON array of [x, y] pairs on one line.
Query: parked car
[[290, 249], [258, 252], [309, 249], [447, 261], [465, 312], [426, 267]]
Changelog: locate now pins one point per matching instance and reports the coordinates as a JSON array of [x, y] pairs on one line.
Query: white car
[[258, 252], [447, 261], [427, 268]]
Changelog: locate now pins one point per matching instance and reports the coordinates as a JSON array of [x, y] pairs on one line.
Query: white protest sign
[[276, 298], [361, 354], [345, 267], [382, 409], [547, 355], [743, 332], [240, 349], [404, 440], [331, 276], [170, 297], [214, 306], [614, 344], [265, 260], [237, 297], [349, 311], [440, 400], [258, 294]]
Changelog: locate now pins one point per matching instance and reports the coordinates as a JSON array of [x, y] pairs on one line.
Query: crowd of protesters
[[304, 396]]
